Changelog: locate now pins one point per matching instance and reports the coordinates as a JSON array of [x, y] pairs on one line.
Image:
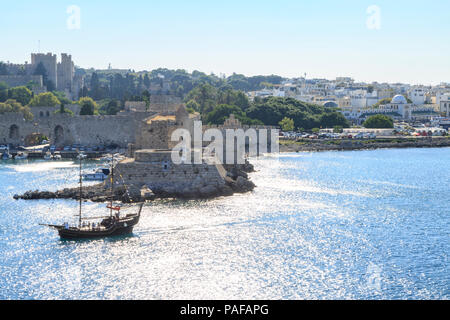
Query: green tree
[[46, 99], [113, 107], [63, 110], [3, 69], [287, 124], [3, 92], [88, 106], [62, 97], [379, 121], [20, 94], [223, 111], [193, 105], [206, 96], [96, 90], [41, 71], [332, 119], [146, 81], [12, 106]]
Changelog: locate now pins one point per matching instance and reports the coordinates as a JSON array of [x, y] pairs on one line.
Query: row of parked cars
[[328, 135], [78, 147], [299, 135]]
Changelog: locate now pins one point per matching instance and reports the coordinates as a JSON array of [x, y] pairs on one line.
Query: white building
[[444, 105], [417, 95], [442, 94]]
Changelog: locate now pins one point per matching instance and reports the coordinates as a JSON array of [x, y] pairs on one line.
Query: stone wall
[[135, 106], [154, 134], [16, 80], [164, 103], [155, 169], [23, 80], [63, 129]]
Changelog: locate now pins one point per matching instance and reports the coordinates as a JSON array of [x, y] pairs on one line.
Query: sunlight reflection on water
[[308, 231]]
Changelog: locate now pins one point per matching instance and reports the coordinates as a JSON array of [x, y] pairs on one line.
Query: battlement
[[22, 80]]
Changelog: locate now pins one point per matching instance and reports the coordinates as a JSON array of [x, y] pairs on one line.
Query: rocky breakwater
[[345, 145], [152, 174]]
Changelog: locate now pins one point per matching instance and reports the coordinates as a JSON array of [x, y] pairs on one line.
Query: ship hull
[[122, 227]]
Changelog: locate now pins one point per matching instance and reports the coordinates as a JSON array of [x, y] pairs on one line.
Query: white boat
[[21, 156], [106, 158], [6, 156], [109, 157], [48, 156], [100, 174]]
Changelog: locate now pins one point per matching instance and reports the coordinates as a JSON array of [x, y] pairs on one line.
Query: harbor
[[303, 233]]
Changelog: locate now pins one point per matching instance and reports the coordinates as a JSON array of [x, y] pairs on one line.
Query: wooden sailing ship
[[111, 225]]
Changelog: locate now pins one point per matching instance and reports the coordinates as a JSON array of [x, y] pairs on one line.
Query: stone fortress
[[150, 164], [146, 133], [61, 74]]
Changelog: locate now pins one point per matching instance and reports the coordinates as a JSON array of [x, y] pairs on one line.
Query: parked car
[[67, 148]]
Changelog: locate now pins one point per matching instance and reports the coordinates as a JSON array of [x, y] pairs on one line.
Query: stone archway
[[14, 133], [35, 139], [59, 135]]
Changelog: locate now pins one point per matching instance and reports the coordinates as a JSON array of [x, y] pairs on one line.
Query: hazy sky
[[323, 38]]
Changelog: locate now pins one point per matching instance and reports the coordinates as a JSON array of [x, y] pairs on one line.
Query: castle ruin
[[61, 74]]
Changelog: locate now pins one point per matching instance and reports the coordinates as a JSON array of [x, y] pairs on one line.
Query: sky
[[376, 40]]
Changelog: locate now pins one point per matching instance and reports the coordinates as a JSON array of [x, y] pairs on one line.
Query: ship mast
[[81, 193], [112, 186]]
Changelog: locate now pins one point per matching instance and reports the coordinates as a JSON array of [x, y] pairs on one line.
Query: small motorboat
[[6, 156], [81, 156], [21, 156], [100, 174], [106, 158], [48, 156]]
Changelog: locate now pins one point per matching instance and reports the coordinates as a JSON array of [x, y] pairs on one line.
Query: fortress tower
[[66, 71], [50, 63]]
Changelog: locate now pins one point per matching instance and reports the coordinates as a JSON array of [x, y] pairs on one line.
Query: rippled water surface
[[332, 225]]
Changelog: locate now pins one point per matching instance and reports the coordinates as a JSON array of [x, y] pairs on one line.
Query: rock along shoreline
[[349, 145], [236, 181]]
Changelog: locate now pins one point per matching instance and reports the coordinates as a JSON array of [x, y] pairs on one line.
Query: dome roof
[[399, 99], [330, 104]]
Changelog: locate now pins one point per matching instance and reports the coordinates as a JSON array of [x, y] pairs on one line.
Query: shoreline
[[309, 145], [236, 181]]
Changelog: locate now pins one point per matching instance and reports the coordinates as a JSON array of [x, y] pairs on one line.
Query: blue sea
[[330, 225]]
